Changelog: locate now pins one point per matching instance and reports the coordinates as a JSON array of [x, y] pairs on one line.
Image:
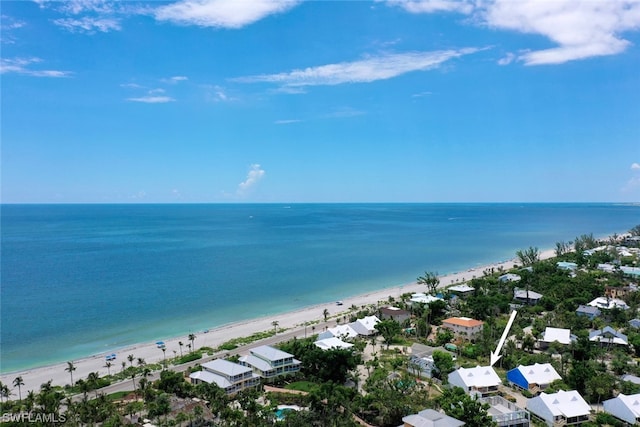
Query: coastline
[[292, 320]]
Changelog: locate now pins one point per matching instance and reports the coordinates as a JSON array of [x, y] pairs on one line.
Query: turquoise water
[[85, 279]]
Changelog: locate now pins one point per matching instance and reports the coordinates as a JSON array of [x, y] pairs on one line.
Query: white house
[[269, 362], [480, 381], [422, 298], [509, 277], [340, 331], [526, 296], [560, 409], [562, 336], [430, 418], [609, 303], [332, 343], [229, 376], [608, 335], [625, 408], [365, 326], [533, 378]]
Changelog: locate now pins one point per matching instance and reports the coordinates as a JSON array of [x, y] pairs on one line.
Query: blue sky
[[320, 101]]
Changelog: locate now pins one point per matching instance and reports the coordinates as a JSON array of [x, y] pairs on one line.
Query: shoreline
[[291, 320]]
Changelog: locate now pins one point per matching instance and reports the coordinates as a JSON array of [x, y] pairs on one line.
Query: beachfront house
[[422, 298], [624, 407], [588, 311], [270, 362], [481, 381], [568, 266], [559, 335], [332, 343], [533, 378], [463, 327], [505, 413], [461, 290], [430, 418], [560, 409], [608, 336], [394, 313], [365, 326], [229, 376], [344, 332], [509, 277]]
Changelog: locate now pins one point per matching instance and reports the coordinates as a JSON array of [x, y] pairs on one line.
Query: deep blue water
[[83, 279]]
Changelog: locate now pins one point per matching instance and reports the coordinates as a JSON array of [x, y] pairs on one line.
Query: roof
[[270, 353], [635, 323], [608, 334], [522, 294], [539, 373], [509, 277], [563, 403], [625, 407], [609, 303], [461, 288], [225, 367], [431, 418], [424, 298], [332, 343], [340, 331], [630, 378], [480, 376], [211, 378], [463, 321], [365, 326], [567, 265], [587, 309], [394, 311], [563, 336]]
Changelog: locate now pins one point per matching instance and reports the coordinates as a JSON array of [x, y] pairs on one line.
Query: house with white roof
[[634, 323], [605, 303], [229, 376], [625, 408], [422, 298], [480, 381], [607, 336], [365, 326], [509, 277], [533, 378], [270, 362], [560, 409], [562, 336], [343, 332], [526, 296], [505, 413], [430, 418], [461, 290], [564, 265], [332, 343]]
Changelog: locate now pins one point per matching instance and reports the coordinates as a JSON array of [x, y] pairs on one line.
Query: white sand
[[33, 378]]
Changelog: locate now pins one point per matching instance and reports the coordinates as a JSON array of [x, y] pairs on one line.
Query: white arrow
[[495, 355]]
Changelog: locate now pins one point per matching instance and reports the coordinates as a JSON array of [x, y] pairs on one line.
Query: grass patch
[[118, 395], [237, 342], [307, 386]]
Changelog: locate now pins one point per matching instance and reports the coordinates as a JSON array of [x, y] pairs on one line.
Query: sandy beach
[[294, 320]]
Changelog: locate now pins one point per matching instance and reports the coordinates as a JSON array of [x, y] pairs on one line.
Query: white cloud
[[430, 6], [364, 71], [286, 122], [635, 166], [131, 85], [23, 66], [88, 25], [176, 79], [507, 59], [156, 91], [256, 173], [580, 29], [221, 13], [421, 94], [150, 99]]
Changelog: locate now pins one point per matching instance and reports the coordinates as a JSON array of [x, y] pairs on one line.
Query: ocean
[[79, 280]]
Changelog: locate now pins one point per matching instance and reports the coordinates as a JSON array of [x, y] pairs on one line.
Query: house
[[332, 343], [533, 378], [430, 418], [229, 376], [505, 413], [609, 303], [509, 277], [269, 362], [463, 327], [560, 409], [634, 323], [608, 335], [340, 331], [620, 291], [588, 311], [562, 336], [527, 297], [421, 298], [461, 290], [631, 378], [569, 266], [624, 407], [394, 313], [480, 381], [365, 326]]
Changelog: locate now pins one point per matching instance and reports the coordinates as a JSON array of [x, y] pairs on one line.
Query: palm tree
[[141, 361], [192, 338], [108, 366], [325, 314], [70, 368], [124, 365], [180, 344], [18, 383], [4, 391], [133, 379], [164, 357], [430, 279], [92, 381], [131, 358], [275, 324]]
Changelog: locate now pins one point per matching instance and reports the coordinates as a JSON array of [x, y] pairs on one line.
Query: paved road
[[127, 385]]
